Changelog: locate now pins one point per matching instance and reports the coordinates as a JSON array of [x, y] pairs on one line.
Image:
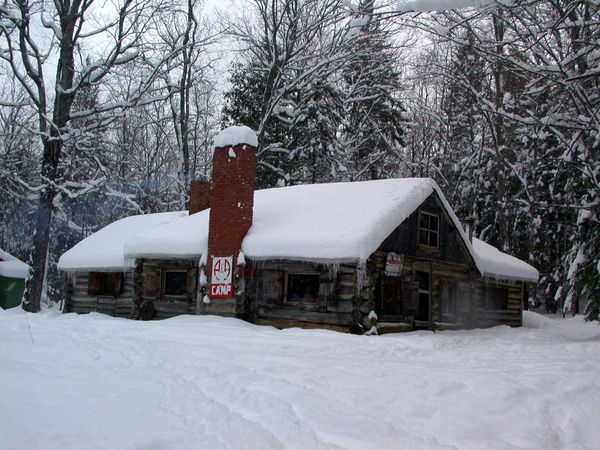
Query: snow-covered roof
[[12, 267], [335, 222], [329, 223], [103, 250], [493, 263]]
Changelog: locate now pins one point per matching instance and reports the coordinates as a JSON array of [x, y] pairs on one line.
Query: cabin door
[[391, 296], [423, 279]]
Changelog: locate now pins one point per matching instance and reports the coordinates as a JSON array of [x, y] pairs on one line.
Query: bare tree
[[186, 74], [41, 38]]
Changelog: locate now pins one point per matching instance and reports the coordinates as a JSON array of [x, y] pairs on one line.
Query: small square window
[[496, 299], [303, 287], [105, 283], [175, 283], [429, 230]]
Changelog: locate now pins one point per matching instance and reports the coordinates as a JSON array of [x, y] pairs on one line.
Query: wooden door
[[391, 296]]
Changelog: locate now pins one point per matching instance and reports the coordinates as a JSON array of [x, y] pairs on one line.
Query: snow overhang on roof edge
[[96, 269], [324, 261]]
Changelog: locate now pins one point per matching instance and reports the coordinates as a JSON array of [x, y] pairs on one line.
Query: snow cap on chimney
[[236, 135]]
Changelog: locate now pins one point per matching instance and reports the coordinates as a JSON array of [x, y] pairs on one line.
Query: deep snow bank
[[92, 381]]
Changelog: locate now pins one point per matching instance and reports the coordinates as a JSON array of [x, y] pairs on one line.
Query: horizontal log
[[343, 319], [289, 323], [172, 307], [448, 272], [82, 308], [367, 294], [498, 317], [386, 328], [343, 306], [345, 297], [346, 292], [224, 307]]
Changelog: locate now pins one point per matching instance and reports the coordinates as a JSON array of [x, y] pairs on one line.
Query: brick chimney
[[231, 203], [199, 196]]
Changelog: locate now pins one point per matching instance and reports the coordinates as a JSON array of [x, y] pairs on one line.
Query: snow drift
[[95, 382]]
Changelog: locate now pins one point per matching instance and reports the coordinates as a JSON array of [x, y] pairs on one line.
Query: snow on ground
[[92, 381]]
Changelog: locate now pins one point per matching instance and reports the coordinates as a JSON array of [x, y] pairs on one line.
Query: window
[[429, 229], [303, 287], [496, 299], [279, 287], [175, 283], [273, 285], [105, 283], [448, 299]]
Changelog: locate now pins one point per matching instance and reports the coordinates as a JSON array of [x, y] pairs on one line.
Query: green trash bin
[[11, 291], [12, 280]]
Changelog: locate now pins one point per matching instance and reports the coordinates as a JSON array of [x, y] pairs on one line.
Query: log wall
[[472, 310], [266, 295], [80, 301], [149, 286], [512, 315]]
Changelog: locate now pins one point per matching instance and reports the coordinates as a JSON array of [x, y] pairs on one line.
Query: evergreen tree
[[242, 106], [315, 148], [373, 131]]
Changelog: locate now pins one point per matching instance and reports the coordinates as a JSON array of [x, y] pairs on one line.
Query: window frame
[[102, 281], [289, 301], [429, 230], [164, 283], [275, 288]]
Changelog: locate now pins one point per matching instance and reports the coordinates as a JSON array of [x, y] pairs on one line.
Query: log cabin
[[366, 257]]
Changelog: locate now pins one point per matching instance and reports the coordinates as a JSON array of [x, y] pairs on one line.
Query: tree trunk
[[35, 283], [499, 131]]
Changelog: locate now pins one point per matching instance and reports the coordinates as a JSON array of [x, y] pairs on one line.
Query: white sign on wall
[[393, 265], [221, 285]]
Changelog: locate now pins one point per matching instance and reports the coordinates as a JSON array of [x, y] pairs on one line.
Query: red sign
[[222, 274], [220, 290]]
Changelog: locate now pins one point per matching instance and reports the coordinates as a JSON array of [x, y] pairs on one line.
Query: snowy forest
[[109, 110]]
